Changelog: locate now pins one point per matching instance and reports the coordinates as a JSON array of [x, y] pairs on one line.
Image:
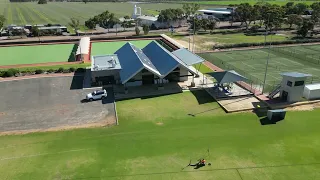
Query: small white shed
[[312, 91]]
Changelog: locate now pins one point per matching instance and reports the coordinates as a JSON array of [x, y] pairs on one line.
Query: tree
[[137, 31], [125, 24], [300, 8], [74, 23], [307, 25], [169, 15], [42, 2], [190, 9], [104, 19], [294, 19], [212, 24], [316, 12], [35, 31], [126, 17], [85, 1], [243, 12], [2, 21], [272, 16], [146, 29]]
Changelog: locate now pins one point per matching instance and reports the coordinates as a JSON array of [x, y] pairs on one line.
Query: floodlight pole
[[266, 70], [194, 32]]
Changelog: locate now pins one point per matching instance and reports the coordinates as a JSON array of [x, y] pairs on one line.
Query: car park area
[[51, 103]]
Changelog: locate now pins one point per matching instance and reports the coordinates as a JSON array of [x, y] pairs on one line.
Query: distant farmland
[[61, 12]]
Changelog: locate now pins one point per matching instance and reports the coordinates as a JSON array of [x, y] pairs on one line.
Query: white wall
[[183, 72], [311, 94], [295, 93]]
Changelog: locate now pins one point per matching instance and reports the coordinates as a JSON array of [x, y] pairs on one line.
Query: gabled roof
[[227, 76], [295, 74], [132, 61], [164, 60], [187, 57]]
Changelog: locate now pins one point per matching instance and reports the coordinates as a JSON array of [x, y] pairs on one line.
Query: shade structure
[[187, 57], [227, 77]]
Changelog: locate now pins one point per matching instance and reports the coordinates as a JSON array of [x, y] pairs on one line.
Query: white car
[[100, 94]]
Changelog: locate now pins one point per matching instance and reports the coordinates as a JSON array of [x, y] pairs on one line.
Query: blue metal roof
[[145, 60], [187, 57], [129, 61], [295, 74], [162, 59]]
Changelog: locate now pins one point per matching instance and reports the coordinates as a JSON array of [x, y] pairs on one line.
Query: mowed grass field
[[16, 55], [61, 12], [252, 63], [101, 48], [157, 138], [208, 41]]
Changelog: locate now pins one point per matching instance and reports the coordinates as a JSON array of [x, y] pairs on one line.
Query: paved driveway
[[52, 102]]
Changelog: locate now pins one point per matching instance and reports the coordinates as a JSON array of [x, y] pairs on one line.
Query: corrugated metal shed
[[163, 60], [84, 46], [187, 57]]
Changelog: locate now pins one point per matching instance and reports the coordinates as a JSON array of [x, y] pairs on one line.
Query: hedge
[[44, 69]]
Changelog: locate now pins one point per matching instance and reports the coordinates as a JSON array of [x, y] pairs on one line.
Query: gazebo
[[225, 77]]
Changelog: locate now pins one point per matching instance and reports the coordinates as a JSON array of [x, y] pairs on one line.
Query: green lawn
[[156, 138], [202, 68], [206, 42], [100, 48], [37, 54]]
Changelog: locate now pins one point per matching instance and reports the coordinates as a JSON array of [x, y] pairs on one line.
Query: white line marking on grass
[[43, 154]]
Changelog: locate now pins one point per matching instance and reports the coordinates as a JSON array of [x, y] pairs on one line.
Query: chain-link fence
[[298, 54]]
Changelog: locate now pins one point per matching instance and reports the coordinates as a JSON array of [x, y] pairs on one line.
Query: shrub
[[66, 71], [80, 70], [60, 70], [10, 72], [39, 71], [72, 69], [50, 71]]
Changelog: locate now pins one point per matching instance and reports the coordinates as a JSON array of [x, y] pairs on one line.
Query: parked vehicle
[[99, 94]]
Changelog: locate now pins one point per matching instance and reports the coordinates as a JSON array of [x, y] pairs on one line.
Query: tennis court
[[252, 63], [15, 55], [101, 48]]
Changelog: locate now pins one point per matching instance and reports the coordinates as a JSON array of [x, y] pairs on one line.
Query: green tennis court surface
[[252, 63], [37, 54], [101, 48]]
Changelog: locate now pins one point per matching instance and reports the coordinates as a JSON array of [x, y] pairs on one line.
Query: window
[[299, 83], [289, 83]]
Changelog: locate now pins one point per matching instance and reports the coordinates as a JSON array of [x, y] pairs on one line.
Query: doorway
[[285, 95], [148, 79]]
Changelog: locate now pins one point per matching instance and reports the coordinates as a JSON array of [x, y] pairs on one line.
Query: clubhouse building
[[131, 66]]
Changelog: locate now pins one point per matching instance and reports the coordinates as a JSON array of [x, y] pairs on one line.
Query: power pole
[[194, 32]]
